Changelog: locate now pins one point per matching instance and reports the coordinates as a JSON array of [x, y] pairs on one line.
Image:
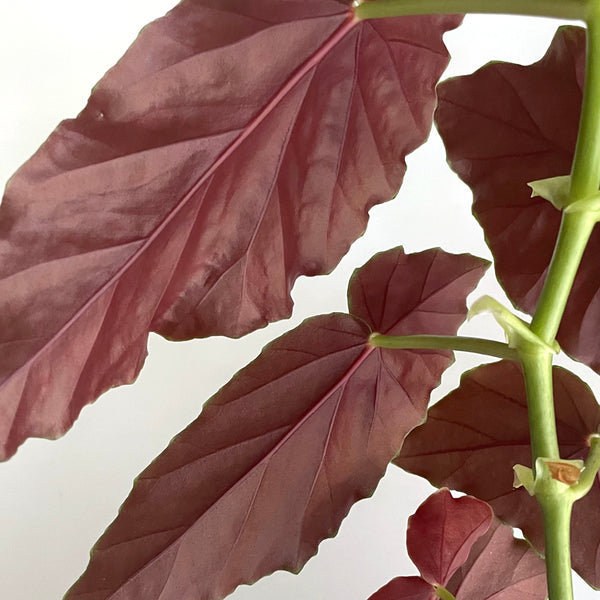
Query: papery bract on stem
[[276, 458], [236, 146]]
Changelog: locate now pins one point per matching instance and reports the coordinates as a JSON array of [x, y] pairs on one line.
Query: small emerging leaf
[[441, 533], [473, 555], [500, 567]]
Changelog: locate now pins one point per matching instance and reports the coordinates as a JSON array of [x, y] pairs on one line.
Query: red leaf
[[502, 568], [278, 456], [405, 588], [474, 436], [522, 125], [459, 545], [235, 147], [442, 531]]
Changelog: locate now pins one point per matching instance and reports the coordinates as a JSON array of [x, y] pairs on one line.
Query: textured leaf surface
[[459, 544], [442, 531], [405, 588], [500, 568], [278, 456], [522, 124], [235, 147], [474, 436]]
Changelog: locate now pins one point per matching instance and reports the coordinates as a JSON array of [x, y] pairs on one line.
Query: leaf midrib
[[338, 35]]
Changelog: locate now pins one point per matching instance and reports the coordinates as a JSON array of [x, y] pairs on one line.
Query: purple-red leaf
[[235, 146], [442, 531], [459, 545], [507, 125], [405, 588], [476, 434], [278, 456], [500, 568]]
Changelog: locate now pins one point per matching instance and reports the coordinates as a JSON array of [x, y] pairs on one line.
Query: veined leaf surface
[[276, 459], [522, 126], [458, 544], [235, 146], [442, 532], [475, 435]]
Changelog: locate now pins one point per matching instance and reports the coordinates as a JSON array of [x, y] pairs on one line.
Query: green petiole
[[445, 342], [562, 9]]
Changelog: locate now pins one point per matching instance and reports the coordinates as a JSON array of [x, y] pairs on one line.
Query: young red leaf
[[442, 531], [476, 434], [459, 545], [235, 146], [500, 567], [503, 127], [275, 460]]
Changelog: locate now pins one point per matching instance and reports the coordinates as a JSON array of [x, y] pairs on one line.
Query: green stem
[[562, 9], [445, 342], [573, 236], [556, 511], [585, 172], [443, 593], [537, 371], [576, 228]]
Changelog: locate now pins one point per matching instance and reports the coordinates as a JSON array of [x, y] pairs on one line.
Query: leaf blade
[[275, 460], [405, 588], [502, 567], [450, 527], [161, 173]]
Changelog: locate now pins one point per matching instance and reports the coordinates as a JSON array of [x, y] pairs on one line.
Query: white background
[[56, 498]]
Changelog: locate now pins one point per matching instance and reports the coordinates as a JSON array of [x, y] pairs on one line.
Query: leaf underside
[[276, 459], [442, 532], [500, 567], [475, 435], [522, 126], [235, 147]]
